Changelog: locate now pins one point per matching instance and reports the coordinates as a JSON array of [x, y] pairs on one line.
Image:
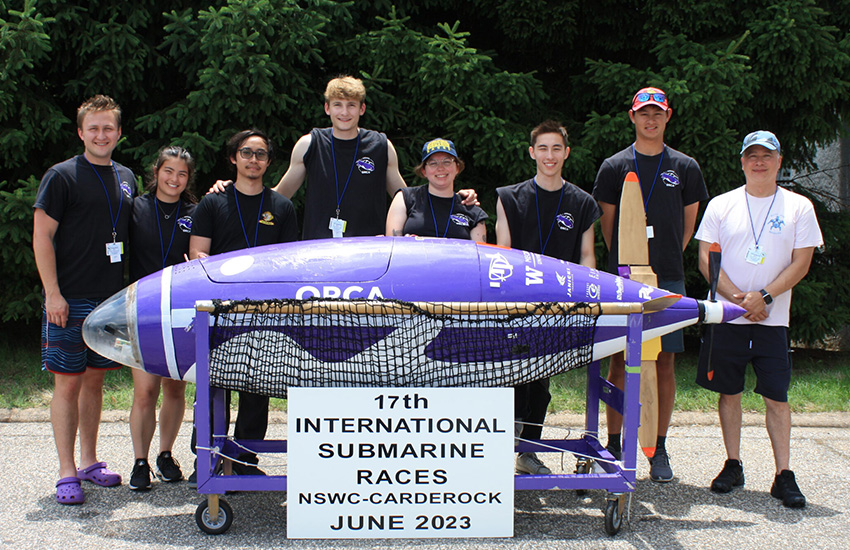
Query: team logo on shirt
[[267, 218], [185, 224], [565, 221], [670, 178], [776, 224], [365, 165], [126, 189], [460, 219]]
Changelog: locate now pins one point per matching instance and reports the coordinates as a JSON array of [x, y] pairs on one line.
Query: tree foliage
[[480, 72]]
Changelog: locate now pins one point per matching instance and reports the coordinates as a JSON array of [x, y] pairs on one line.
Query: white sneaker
[[528, 463]]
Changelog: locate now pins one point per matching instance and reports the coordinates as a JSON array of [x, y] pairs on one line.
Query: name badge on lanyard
[[755, 254], [337, 227]]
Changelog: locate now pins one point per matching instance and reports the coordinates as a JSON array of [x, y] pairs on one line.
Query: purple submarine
[[148, 324]]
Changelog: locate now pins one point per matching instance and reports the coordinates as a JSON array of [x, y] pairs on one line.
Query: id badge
[[755, 255], [114, 251], [650, 232], [337, 227]]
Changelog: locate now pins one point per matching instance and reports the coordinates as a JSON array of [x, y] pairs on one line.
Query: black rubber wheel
[[205, 522], [613, 518]]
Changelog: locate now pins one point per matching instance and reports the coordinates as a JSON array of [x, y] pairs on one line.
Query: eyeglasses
[[444, 163], [246, 153], [644, 96]]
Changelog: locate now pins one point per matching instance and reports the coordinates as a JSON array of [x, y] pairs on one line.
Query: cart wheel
[[583, 466], [205, 522], [613, 517]]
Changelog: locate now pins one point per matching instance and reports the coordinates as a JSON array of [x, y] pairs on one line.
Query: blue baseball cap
[[761, 137], [438, 145]]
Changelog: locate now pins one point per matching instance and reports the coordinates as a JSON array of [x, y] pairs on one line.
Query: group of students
[[88, 202]]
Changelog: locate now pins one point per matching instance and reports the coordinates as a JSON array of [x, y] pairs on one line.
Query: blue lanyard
[[350, 171], [657, 171], [108, 200], [554, 218], [764, 223], [159, 228], [259, 214], [434, 216]]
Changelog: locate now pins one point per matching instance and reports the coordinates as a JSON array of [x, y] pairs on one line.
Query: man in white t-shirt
[[767, 235]]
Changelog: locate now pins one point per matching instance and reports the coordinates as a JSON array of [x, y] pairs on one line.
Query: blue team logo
[[185, 224], [565, 221], [670, 178], [460, 219], [365, 165], [126, 189], [775, 224]]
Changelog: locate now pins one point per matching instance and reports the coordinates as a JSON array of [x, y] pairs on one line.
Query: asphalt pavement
[[682, 514]]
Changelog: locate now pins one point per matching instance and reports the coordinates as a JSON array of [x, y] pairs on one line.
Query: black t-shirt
[[363, 202], [679, 183], [159, 235], [217, 217], [454, 219], [85, 199], [562, 227]]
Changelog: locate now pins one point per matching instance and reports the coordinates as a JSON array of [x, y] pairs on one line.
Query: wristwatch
[[768, 299]]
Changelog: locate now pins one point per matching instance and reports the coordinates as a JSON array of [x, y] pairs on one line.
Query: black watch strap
[[768, 299]]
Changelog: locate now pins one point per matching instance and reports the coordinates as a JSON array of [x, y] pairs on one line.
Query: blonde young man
[[672, 186], [81, 222], [767, 235]]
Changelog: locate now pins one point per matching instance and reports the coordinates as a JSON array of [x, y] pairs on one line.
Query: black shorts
[[735, 346]]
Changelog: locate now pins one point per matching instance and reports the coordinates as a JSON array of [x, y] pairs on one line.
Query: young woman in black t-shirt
[[435, 210], [159, 237]]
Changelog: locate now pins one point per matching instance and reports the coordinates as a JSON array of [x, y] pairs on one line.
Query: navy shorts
[[675, 341], [63, 350], [735, 346]]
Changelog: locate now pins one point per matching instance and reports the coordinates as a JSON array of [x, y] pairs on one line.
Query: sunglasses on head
[[645, 96]]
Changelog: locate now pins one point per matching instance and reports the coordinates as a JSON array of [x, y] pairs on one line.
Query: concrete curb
[[689, 418]]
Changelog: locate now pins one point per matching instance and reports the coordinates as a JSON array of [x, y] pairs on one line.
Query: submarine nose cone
[[721, 312], [111, 329]]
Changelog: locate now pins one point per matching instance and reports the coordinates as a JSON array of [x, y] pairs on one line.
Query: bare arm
[[199, 247], [479, 233], [691, 212], [609, 212], [503, 230], [588, 252], [295, 175], [44, 229], [396, 216], [394, 179]]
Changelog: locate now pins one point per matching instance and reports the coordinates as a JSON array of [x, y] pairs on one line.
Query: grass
[[820, 381]]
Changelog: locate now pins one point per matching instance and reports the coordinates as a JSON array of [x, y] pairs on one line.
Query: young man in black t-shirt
[[546, 215], [82, 212], [245, 215], [672, 186]]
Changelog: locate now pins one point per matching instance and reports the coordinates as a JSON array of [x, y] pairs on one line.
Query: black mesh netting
[[266, 347]]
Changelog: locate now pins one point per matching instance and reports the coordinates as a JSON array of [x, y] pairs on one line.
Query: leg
[[729, 409], [64, 416], [171, 413], [143, 413], [539, 397], [664, 367], [617, 376], [778, 421], [90, 405]]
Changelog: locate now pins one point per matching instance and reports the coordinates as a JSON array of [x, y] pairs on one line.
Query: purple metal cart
[[214, 515]]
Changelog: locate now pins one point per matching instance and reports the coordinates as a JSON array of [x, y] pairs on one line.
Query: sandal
[[69, 491], [99, 474]]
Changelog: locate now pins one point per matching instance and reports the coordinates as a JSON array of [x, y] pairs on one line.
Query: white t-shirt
[[787, 224]]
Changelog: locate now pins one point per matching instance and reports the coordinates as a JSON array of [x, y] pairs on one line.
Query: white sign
[[400, 462]]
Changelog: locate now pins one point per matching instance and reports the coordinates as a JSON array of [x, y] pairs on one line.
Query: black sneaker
[[193, 477], [140, 479], [659, 466], [732, 475], [785, 488], [616, 453], [247, 470], [168, 469]]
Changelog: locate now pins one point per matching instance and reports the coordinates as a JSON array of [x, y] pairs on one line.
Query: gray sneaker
[[659, 467], [528, 463]]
